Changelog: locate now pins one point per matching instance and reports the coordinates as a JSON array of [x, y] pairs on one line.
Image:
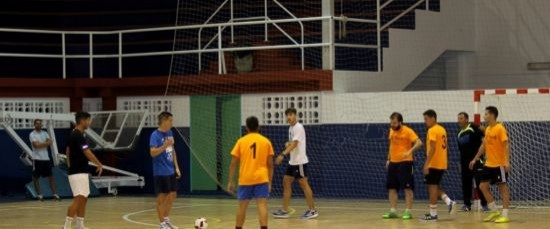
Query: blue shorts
[[248, 192]]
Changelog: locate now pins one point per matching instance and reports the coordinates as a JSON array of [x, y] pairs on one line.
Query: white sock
[[433, 209], [407, 210], [446, 198], [392, 210], [79, 223], [68, 222], [504, 212], [492, 206], [166, 219]]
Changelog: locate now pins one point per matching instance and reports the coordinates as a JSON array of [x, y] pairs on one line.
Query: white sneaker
[[170, 225], [163, 225]]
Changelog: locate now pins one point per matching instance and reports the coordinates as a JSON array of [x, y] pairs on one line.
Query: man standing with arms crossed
[[253, 153], [497, 150], [41, 167], [403, 143], [165, 168]]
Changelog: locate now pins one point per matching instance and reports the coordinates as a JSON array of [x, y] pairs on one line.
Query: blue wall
[[346, 161], [14, 175]]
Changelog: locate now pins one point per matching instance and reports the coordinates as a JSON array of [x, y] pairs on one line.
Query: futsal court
[[351, 99], [139, 212]]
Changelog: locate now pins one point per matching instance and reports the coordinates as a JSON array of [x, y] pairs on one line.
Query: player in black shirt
[[78, 154], [469, 141]]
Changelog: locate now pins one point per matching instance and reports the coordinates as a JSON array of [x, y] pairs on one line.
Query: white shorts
[[80, 184]]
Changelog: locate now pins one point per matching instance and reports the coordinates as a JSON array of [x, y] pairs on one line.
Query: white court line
[[127, 216]]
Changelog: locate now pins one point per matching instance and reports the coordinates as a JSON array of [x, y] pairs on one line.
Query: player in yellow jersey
[[403, 143], [253, 153], [497, 165], [436, 164]]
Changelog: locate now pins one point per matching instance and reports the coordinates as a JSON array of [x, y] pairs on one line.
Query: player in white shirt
[[297, 168], [40, 141]]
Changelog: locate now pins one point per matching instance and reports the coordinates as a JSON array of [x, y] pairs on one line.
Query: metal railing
[[220, 49]]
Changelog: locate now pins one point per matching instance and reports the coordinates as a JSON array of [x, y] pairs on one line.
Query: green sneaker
[[390, 215], [407, 216]]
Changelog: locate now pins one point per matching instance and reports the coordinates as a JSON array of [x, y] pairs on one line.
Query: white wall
[[340, 108], [177, 105], [510, 34], [410, 52]]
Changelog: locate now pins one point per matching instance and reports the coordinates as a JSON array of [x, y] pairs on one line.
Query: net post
[[477, 99]]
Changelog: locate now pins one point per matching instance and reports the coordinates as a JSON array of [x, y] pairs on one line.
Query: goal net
[[347, 133]]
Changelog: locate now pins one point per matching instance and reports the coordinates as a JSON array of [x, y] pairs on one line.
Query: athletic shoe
[[486, 208], [169, 224], [390, 215], [429, 218], [407, 216], [163, 226], [452, 207], [281, 214], [40, 197], [491, 217], [56, 197], [466, 208], [502, 219], [310, 214]]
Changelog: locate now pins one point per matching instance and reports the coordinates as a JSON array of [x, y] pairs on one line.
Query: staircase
[[411, 51]]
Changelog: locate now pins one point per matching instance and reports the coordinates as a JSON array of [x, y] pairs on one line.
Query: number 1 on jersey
[[253, 148]]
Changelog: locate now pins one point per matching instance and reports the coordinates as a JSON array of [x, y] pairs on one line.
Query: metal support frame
[[129, 178], [232, 23]]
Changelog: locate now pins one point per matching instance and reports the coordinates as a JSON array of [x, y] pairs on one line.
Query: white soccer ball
[[201, 223]]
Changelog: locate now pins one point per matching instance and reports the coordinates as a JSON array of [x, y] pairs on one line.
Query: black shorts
[[297, 171], [434, 177], [165, 184], [41, 168], [400, 175], [494, 175]]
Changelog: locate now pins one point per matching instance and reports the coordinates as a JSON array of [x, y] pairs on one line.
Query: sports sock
[[79, 223], [504, 212], [263, 227], [393, 210], [433, 209], [68, 222], [407, 210], [446, 198], [492, 206]]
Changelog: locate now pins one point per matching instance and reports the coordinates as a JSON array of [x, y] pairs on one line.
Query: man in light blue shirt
[[41, 166]]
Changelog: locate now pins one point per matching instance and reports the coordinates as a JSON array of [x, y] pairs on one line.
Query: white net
[[527, 121], [347, 132]]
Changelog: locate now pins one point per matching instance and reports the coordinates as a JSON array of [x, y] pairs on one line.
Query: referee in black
[[469, 140]]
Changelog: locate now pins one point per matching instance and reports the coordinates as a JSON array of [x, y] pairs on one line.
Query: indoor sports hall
[[130, 114]]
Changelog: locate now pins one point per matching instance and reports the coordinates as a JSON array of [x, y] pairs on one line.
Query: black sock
[[263, 227], [238, 227]]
